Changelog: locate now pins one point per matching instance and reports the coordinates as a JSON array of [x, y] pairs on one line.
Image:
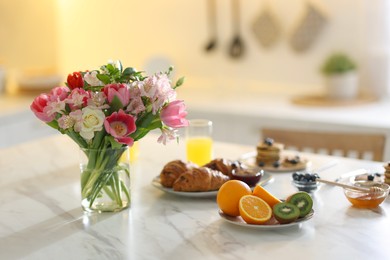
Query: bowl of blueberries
[[305, 181]]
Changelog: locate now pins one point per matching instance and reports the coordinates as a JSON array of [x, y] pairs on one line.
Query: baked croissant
[[200, 179], [225, 166], [172, 171]]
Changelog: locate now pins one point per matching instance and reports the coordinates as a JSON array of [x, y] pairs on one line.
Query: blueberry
[[294, 161], [377, 174], [261, 164], [370, 177], [268, 141], [276, 164]]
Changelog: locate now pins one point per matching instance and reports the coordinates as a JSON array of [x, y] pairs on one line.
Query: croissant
[[200, 179], [172, 171], [225, 166]]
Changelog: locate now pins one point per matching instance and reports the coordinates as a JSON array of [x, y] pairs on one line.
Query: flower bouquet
[[105, 111]]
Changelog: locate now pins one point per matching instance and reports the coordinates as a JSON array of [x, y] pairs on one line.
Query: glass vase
[[105, 179]]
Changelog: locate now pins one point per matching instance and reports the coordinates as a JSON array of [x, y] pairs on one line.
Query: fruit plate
[[271, 224], [250, 160], [267, 178]]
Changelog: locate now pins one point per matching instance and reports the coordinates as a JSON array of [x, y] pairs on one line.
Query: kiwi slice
[[303, 201], [285, 212]]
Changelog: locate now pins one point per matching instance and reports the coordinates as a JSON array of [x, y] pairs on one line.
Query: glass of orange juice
[[199, 142]]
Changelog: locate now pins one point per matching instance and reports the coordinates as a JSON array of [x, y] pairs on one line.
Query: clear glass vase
[[105, 179]]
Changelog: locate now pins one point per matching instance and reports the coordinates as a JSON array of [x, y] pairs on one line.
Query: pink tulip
[[173, 115], [59, 93], [120, 91], [120, 125], [39, 107]]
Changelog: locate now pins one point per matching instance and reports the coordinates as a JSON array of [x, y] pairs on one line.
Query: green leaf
[[53, 124], [104, 78], [115, 105], [128, 72], [114, 144], [145, 124]]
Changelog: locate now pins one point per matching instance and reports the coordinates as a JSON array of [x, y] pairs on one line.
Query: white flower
[[91, 79], [93, 120]]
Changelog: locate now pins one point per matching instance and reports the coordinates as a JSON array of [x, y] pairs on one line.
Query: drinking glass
[[199, 142]]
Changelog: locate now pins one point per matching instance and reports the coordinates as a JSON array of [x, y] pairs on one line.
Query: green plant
[[337, 63]]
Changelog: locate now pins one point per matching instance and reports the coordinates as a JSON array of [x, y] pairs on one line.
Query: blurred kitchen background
[[283, 58]]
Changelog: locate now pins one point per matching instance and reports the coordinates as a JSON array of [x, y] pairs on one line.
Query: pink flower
[[39, 107], [167, 135], [136, 104], [59, 93], [78, 98], [120, 125], [158, 89], [173, 115], [117, 90]]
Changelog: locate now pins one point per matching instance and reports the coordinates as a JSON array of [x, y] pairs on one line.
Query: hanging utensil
[[236, 48], [308, 29], [212, 23], [266, 27]]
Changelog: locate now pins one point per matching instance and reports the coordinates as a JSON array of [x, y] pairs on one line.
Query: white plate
[[272, 224], [250, 160], [201, 194]]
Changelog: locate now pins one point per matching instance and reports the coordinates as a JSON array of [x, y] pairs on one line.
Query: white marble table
[[41, 217]]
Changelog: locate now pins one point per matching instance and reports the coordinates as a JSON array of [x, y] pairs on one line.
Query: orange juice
[[199, 150], [134, 152]]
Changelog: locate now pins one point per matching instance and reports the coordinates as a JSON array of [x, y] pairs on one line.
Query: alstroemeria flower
[[136, 105], [97, 100], [92, 120], [91, 79], [173, 115], [78, 98], [120, 125], [75, 80], [167, 135], [39, 107], [158, 88], [121, 91]]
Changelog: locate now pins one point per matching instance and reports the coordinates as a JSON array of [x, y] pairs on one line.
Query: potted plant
[[341, 77]]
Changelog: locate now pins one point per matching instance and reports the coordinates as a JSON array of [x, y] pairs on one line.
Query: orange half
[[254, 210]]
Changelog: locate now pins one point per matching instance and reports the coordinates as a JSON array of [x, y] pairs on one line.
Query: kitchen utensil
[[236, 49], [371, 190], [212, 22], [308, 28], [266, 27]]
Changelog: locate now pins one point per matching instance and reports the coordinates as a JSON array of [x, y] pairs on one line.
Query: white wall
[[135, 31], [89, 32]]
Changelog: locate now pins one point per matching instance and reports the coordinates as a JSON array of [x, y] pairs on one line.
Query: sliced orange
[[229, 195], [265, 195], [254, 210]]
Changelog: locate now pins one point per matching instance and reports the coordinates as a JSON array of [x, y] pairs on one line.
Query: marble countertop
[[278, 106], [41, 216]]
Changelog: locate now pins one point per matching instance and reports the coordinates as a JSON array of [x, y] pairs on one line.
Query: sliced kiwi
[[303, 201], [285, 212]]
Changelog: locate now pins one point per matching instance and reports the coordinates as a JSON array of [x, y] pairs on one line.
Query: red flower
[[75, 80], [120, 125]]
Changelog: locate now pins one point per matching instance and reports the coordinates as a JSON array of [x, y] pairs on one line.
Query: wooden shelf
[[323, 101]]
